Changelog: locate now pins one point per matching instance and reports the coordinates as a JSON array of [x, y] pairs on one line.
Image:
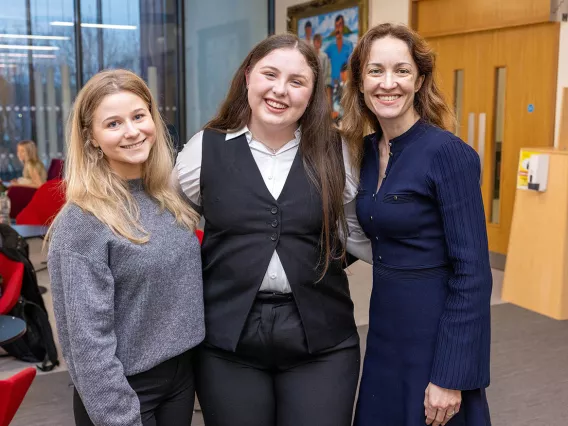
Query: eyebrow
[[115, 117], [296, 75], [378, 64]]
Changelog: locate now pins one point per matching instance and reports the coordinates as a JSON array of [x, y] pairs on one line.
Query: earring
[[100, 153]]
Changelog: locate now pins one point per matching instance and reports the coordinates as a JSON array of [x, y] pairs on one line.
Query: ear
[[247, 75], [419, 83]]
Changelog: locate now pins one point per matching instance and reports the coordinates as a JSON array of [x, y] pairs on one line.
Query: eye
[[375, 71], [269, 74], [138, 116], [112, 124], [296, 83], [404, 71]]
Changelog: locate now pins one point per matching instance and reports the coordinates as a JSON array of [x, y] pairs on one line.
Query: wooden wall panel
[[444, 17]]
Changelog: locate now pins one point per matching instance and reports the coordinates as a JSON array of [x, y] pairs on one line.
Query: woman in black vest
[[268, 173]]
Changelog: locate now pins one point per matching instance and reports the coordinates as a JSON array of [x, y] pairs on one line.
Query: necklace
[[272, 150]]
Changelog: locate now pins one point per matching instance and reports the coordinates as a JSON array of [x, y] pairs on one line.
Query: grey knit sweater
[[123, 308]]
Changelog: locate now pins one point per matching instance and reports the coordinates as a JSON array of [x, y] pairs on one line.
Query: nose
[[130, 130], [279, 87], [388, 82]]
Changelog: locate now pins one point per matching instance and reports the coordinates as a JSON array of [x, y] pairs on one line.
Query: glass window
[[498, 131], [37, 79]]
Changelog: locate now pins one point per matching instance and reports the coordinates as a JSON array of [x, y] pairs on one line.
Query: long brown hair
[[428, 101], [320, 144], [95, 187]]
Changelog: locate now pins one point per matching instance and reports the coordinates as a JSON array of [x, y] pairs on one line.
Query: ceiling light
[[104, 26], [34, 37], [24, 47]]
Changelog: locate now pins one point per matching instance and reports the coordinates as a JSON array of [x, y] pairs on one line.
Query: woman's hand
[[440, 404]]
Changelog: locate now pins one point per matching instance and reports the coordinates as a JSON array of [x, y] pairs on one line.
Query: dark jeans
[[272, 379], [166, 393]]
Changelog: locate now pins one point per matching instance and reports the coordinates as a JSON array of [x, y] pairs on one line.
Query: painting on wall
[[332, 28]]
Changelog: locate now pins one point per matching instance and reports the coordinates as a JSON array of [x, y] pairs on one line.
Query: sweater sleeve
[[83, 298], [461, 359]]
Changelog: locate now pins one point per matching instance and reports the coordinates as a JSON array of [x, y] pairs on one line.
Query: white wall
[[218, 36], [388, 11], [379, 11], [562, 76]]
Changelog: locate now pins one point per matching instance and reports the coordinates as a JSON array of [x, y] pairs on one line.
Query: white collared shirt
[[274, 168]]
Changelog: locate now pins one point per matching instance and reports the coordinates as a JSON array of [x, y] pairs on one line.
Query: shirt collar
[[398, 143], [245, 130]]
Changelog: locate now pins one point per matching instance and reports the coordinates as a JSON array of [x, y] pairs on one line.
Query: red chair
[[12, 276], [55, 169], [199, 234], [20, 197], [12, 393], [45, 204]]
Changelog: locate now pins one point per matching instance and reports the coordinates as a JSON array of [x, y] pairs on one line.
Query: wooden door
[[502, 84]]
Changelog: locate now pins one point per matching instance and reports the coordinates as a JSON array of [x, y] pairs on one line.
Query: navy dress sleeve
[[461, 359]]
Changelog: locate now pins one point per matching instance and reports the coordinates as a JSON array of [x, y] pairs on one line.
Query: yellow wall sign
[[523, 171]]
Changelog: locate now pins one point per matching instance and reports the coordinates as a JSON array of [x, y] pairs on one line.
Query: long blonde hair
[[91, 183], [429, 101], [30, 149]]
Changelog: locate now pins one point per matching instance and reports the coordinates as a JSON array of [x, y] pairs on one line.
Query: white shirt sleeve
[[188, 168], [357, 242]]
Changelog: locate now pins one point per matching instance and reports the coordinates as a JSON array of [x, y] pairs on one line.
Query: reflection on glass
[[500, 83], [32, 86], [458, 99]]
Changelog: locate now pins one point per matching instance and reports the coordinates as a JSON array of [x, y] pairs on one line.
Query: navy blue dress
[[429, 318]]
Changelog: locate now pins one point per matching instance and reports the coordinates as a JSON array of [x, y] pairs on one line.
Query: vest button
[[274, 223], [274, 237], [274, 210]]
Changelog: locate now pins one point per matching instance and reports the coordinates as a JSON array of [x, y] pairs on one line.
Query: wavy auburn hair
[[429, 102], [320, 144]]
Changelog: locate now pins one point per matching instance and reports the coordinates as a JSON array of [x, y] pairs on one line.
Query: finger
[[440, 417], [430, 415], [450, 413]]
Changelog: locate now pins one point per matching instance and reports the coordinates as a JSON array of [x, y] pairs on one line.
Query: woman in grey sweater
[[124, 263]]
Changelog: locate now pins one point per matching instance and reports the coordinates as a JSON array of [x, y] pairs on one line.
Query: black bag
[[37, 344], [14, 247]]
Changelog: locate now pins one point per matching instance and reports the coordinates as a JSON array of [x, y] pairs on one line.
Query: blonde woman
[[34, 174], [124, 263]]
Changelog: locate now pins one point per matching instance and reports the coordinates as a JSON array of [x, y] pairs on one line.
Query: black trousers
[[272, 380], [166, 393]]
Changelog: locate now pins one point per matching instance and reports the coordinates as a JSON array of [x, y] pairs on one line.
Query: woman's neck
[[392, 128], [272, 136]]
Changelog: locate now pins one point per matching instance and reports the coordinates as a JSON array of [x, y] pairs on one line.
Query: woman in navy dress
[[419, 201]]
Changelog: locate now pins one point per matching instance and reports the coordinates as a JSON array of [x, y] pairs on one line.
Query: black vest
[[244, 225]]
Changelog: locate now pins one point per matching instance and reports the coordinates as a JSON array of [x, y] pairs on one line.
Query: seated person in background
[[34, 174]]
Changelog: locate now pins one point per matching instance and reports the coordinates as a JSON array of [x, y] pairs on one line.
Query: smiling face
[[280, 86], [125, 131], [390, 81]]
